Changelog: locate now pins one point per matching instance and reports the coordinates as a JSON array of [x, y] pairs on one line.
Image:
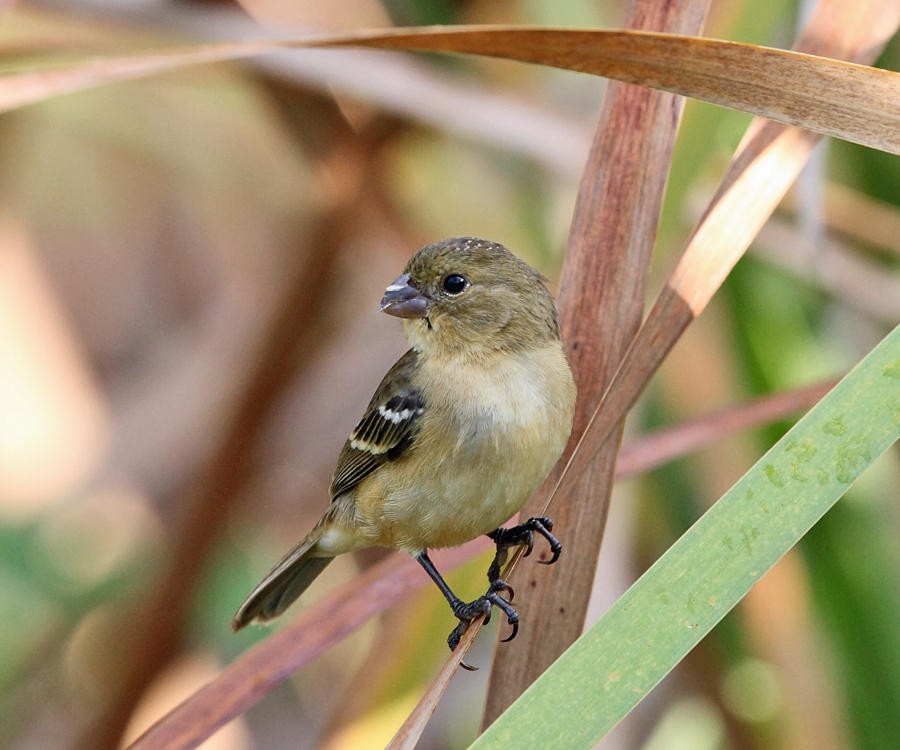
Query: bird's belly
[[472, 490]]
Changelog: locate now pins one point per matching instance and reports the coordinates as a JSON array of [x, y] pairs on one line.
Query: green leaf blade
[[596, 682]]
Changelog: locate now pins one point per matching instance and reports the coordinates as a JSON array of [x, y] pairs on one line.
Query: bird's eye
[[454, 284]]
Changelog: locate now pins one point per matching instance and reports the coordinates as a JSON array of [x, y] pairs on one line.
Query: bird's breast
[[489, 436]]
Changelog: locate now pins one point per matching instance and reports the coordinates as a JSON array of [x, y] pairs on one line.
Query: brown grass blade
[[766, 164], [663, 446], [602, 295], [269, 663], [826, 96], [407, 737]]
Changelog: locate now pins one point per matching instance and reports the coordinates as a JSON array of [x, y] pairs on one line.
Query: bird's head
[[469, 297]]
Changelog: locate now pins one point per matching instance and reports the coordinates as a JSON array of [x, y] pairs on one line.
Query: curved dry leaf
[[824, 95], [827, 96]]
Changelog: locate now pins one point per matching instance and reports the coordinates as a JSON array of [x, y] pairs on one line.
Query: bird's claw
[[529, 542], [499, 586], [523, 535], [544, 527], [517, 536], [467, 612]]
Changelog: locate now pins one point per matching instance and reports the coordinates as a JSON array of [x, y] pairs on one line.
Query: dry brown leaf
[[650, 451], [768, 160], [602, 297], [827, 96]]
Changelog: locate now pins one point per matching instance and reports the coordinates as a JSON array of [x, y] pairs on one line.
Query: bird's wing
[[386, 430]]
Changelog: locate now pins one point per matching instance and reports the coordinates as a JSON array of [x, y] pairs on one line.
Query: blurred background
[[190, 267]]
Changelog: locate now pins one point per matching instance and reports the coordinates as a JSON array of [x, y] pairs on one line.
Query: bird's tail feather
[[283, 584]]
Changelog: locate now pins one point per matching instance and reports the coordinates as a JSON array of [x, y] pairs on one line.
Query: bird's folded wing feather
[[387, 429]]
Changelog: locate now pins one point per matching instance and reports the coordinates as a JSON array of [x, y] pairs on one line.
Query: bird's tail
[[284, 583]]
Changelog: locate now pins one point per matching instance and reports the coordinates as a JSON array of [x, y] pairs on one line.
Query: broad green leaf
[[704, 574]]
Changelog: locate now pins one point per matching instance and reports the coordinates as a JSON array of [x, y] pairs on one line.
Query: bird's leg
[[517, 536], [465, 612]]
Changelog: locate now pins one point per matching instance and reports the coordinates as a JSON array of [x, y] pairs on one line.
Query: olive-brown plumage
[[458, 434]]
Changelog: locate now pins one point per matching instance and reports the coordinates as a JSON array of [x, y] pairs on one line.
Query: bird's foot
[[466, 612], [523, 535]]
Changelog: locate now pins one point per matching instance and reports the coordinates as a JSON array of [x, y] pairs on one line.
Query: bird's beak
[[403, 300]]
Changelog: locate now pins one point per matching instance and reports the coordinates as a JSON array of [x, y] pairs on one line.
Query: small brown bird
[[459, 433]]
